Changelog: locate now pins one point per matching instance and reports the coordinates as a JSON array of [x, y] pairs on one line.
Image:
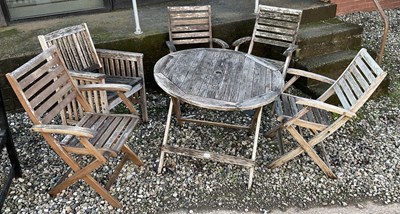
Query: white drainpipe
[[256, 6], [136, 16]]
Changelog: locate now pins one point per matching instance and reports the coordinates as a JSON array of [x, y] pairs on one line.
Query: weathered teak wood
[[275, 26], [218, 79], [353, 87], [44, 88], [78, 51], [191, 25]]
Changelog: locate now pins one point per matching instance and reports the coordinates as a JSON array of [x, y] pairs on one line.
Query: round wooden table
[[217, 79]]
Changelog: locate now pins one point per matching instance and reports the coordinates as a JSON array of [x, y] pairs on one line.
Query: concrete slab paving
[[361, 208]]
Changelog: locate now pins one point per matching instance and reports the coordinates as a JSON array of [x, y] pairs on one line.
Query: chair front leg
[[83, 172], [308, 149]]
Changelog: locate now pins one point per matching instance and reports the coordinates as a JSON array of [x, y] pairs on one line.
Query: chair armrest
[[297, 73], [105, 87], [221, 42], [290, 50], [65, 130], [240, 41], [114, 54], [171, 46], [310, 75], [324, 106], [86, 75]]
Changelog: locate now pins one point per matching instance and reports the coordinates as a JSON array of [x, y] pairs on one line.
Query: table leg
[[253, 157], [254, 120], [177, 109], [167, 126]]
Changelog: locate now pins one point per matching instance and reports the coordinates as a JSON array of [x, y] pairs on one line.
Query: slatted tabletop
[[218, 79]]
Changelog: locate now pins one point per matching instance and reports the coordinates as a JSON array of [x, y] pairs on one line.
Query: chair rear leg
[[75, 177], [116, 172], [311, 152], [280, 142], [131, 155], [84, 174], [143, 105]]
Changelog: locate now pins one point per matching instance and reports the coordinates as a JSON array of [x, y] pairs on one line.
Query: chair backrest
[[276, 26], [358, 82], [75, 45], [190, 25], [45, 88]]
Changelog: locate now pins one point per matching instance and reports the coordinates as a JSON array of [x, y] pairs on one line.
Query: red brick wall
[[349, 6]]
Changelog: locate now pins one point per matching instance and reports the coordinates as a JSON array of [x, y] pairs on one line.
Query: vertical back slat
[[190, 25]]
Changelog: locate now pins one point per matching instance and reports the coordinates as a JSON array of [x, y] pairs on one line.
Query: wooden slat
[[84, 62], [56, 110], [190, 28], [44, 107], [37, 60], [371, 62], [268, 35], [125, 135], [283, 24], [39, 84], [353, 83], [117, 131], [190, 35], [279, 16], [280, 10], [365, 70], [101, 129], [188, 8], [109, 129], [359, 77], [61, 33], [189, 22], [348, 92], [36, 74], [272, 42], [279, 30], [342, 97], [189, 15], [190, 41], [43, 95], [66, 46]]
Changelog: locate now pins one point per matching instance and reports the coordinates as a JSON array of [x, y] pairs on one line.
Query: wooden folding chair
[[80, 56], [191, 25], [300, 115], [277, 27], [44, 88]]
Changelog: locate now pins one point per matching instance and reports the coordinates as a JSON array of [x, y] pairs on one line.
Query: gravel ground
[[364, 155]]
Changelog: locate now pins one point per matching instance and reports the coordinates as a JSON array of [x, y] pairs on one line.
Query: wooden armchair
[[276, 27], [44, 87], [310, 122], [90, 66], [191, 25]]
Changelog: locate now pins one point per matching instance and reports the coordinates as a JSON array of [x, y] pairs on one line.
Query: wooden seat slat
[[113, 139], [109, 129]]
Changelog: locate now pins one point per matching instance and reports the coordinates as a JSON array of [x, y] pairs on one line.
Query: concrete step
[[329, 36], [330, 65], [313, 10]]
